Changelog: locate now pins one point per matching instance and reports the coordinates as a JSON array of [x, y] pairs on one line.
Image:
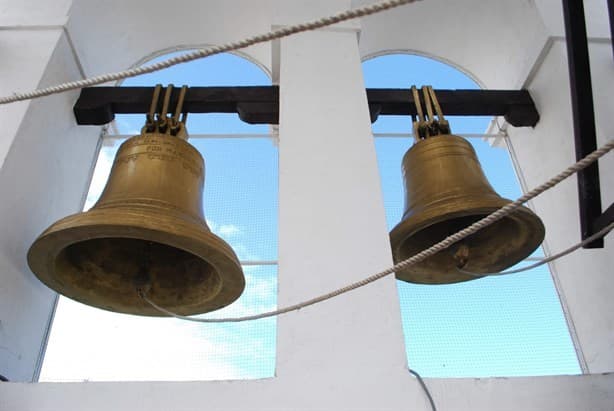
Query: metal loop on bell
[[433, 123], [178, 124], [419, 126], [430, 122], [443, 127], [150, 122], [163, 122]]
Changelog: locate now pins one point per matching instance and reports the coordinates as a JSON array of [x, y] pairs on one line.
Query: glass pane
[[88, 344], [499, 326]]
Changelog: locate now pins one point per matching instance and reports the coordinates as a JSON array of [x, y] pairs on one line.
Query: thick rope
[[448, 241], [209, 51], [601, 233]]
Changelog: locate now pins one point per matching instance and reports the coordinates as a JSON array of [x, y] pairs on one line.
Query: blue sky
[[502, 326]]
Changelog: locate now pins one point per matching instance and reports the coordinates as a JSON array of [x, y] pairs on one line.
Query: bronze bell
[[147, 231], [446, 191]]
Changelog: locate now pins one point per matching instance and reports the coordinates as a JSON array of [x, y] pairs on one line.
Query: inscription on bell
[[163, 157], [161, 150]]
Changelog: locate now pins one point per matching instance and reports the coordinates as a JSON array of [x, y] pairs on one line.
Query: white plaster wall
[[25, 54], [107, 40], [42, 179], [28, 13], [495, 42], [188, 24], [585, 277], [595, 12], [562, 393], [332, 228]]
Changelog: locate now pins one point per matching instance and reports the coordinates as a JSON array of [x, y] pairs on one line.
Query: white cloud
[[212, 225], [229, 230], [125, 126], [95, 345]]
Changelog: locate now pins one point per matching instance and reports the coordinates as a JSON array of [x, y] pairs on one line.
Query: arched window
[[500, 326], [240, 204]]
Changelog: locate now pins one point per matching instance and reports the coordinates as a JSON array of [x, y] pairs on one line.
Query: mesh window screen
[[88, 344]]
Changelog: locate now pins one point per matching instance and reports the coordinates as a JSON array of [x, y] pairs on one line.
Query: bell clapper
[[143, 290], [461, 255], [142, 279]]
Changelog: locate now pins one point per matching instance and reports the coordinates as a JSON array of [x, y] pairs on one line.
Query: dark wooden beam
[[585, 136], [260, 105], [516, 106], [98, 105]]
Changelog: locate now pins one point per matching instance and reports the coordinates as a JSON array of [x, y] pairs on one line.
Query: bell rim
[[140, 224], [470, 207]]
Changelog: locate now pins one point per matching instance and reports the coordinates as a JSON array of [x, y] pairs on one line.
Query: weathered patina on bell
[[147, 233], [445, 191]]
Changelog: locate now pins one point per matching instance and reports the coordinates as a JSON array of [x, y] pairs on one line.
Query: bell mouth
[[110, 269], [102, 258], [491, 249]]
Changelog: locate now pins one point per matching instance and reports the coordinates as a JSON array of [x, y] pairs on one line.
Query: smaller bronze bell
[[446, 191]]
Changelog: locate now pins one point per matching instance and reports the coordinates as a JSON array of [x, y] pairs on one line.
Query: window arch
[[240, 206], [499, 326]]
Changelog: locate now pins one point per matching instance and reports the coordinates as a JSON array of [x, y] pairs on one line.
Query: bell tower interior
[[348, 352]]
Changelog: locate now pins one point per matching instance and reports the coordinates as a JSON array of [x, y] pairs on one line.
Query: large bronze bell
[[446, 191], [146, 231]]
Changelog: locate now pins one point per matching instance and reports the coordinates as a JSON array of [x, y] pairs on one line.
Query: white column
[[332, 228], [45, 167]]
